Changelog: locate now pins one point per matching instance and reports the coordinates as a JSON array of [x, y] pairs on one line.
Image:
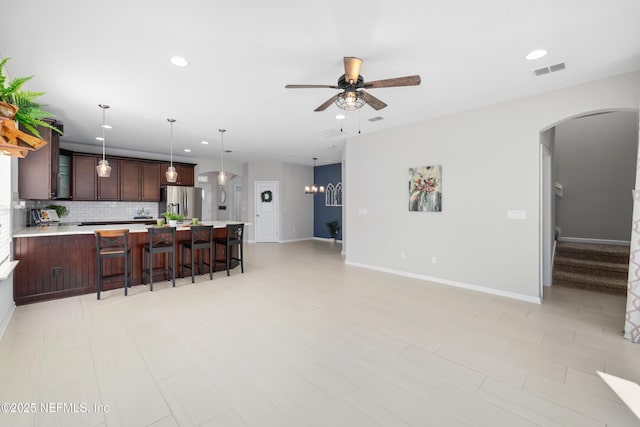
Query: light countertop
[[72, 229]]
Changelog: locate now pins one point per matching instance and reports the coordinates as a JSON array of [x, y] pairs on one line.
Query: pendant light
[[222, 177], [171, 174], [314, 188], [103, 169]]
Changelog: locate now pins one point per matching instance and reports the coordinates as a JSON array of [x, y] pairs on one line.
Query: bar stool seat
[[201, 239], [234, 238], [161, 241], [113, 244]]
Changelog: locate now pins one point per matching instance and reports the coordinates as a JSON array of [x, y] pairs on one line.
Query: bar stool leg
[[150, 271]]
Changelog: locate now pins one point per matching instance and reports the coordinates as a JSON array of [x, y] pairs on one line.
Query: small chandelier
[[103, 169], [171, 174], [351, 100], [314, 188], [222, 176]]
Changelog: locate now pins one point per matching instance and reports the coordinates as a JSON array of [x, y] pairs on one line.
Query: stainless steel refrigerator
[[181, 200]]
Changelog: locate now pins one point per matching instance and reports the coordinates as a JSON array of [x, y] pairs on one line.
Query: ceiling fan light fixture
[[350, 101]]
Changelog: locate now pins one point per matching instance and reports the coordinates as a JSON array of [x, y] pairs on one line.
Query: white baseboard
[[7, 319], [295, 240], [596, 241], [324, 239], [535, 300]]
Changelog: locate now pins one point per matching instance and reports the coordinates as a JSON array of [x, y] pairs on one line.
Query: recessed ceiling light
[[340, 116], [99, 138], [205, 143], [536, 54], [106, 126], [186, 150], [179, 61]]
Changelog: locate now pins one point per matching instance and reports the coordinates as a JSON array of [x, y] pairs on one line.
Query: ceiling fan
[[352, 84]]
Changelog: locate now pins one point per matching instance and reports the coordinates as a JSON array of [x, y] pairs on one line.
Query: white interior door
[[267, 217]]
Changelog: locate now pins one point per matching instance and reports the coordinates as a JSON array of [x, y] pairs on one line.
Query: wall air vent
[[376, 119], [551, 69]]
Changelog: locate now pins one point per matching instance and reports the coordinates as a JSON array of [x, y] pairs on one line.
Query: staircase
[[592, 267]]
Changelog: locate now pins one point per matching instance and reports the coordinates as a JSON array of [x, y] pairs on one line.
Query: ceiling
[[469, 53]]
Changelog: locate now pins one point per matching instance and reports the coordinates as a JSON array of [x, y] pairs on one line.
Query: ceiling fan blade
[[398, 81], [374, 102], [311, 87], [352, 69], [327, 103]]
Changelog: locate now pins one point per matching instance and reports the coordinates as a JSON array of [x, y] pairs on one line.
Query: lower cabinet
[[53, 267]]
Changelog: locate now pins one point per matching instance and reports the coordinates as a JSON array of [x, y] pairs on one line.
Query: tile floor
[[301, 339]]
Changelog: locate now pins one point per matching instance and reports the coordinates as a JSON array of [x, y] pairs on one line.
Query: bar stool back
[[161, 241], [234, 238], [113, 244], [201, 239]]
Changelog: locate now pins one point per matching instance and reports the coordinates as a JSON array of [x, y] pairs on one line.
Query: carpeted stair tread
[[610, 253], [588, 282], [598, 268]]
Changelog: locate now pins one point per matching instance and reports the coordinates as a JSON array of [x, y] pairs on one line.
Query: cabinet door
[[129, 180], [150, 185], [84, 177], [185, 174], [38, 172], [109, 188]]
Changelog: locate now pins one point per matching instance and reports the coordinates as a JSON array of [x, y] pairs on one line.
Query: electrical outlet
[[403, 255], [434, 260]]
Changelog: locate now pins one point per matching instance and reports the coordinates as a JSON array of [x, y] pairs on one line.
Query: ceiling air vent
[[551, 69], [329, 133], [376, 119]]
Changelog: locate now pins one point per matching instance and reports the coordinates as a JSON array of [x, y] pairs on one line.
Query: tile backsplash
[[99, 211]]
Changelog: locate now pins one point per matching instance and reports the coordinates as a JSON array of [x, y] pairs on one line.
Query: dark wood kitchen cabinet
[[86, 183], [109, 188], [185, 174], [84, 177], [38, 172], [139, 180]]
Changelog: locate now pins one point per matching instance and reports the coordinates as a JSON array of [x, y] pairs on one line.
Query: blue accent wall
[[323, 175]]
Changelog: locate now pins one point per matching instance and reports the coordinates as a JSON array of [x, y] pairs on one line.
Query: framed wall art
[[425, 189]]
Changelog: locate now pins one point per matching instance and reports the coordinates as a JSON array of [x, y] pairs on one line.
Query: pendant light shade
[[314, 188], [171, 174], [103, 169], [222, 177]]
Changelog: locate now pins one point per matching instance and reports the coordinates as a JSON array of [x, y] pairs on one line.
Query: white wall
[[595, 161], [297, 207], [295, 211], [490, 158]]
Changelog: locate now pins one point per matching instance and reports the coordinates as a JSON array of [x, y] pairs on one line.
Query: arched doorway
[[591, 202]]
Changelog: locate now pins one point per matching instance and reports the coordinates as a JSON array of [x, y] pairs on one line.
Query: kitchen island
[[58, 261]]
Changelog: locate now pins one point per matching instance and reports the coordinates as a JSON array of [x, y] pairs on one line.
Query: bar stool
[[161, 241], [234, 238], [113, 244], [201, 239]]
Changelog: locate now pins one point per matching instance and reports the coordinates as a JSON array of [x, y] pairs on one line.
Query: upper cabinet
[[86, 183], [85, 177], [47, 174], [185, 174], [139, 180], [38, 172]]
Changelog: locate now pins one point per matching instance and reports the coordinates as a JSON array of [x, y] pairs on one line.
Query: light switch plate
[[512, 214]]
